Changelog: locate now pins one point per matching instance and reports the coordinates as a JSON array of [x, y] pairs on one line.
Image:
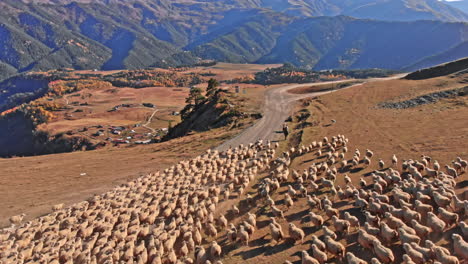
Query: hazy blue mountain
[[114, 34]]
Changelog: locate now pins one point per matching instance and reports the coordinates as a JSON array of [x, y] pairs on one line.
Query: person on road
[[285, 131]]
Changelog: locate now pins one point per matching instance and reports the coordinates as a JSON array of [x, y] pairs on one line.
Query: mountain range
[[318, 34]]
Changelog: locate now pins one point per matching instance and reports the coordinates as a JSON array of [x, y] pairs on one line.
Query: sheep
[[394, 160], [463, 163], [451, 171], [315, 219], [427, 253], [296, 233], [318, 254], [464, 228], [17, 219], [57, 207], [312, 202], [277, 212], [409, 214], [276, 232], [200, 255], [460, 246], [429, 244], [372, 219], [407, 260], [354, 221], [328, 232], [459, 205], [436, 224], [383, 253], [318, 243], [448, 217], [445, 258], [306, 259], [232, 235], [375, 261], [251, 219], [330, 211], [243, 236], [215, 250], [235, 210], [362, 183], [334, 247], [365, 239], [371, 230], [441, 200], [381, 164], [416, 256], [388, 234], [421, 230], [341, 225], [288, 201], [366, 162], [352, 259], [422, 208], [392, 221]]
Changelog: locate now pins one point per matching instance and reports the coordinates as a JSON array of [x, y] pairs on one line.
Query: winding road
[[277, 108]]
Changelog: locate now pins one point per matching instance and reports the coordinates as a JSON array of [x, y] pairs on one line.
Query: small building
[[98, 134], [143, 142], [150, 105]]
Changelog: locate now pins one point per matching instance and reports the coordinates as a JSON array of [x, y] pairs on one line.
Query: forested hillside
[[115, 34]]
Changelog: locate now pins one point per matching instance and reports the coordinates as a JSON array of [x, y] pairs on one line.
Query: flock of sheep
[[179, 215]]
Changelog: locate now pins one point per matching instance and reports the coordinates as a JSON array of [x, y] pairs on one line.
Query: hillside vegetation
[[440, 70], [43, 35]]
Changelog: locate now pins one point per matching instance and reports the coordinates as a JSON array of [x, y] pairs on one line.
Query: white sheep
[[435, 223], [448, 217], [296, 233], [421, 230], [306, 259], [464, 228], [383, 253], [354, 221], [276, 232], [215, 250], [445, 258], [460, 246], [334, 247], [352, 259], [318, 254], [415, 255]]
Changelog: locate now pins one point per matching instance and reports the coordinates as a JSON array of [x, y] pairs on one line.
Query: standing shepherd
[[285, 131]]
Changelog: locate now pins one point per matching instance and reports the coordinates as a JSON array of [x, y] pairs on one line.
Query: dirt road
[[277, 107]]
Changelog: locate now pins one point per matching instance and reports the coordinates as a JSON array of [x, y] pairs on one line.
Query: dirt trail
[[149, 121], [277, 107]]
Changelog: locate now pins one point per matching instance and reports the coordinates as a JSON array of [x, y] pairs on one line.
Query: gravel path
[[277, 107]]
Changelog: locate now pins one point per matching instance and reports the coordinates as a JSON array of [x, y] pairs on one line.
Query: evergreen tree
[[211, 89]]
